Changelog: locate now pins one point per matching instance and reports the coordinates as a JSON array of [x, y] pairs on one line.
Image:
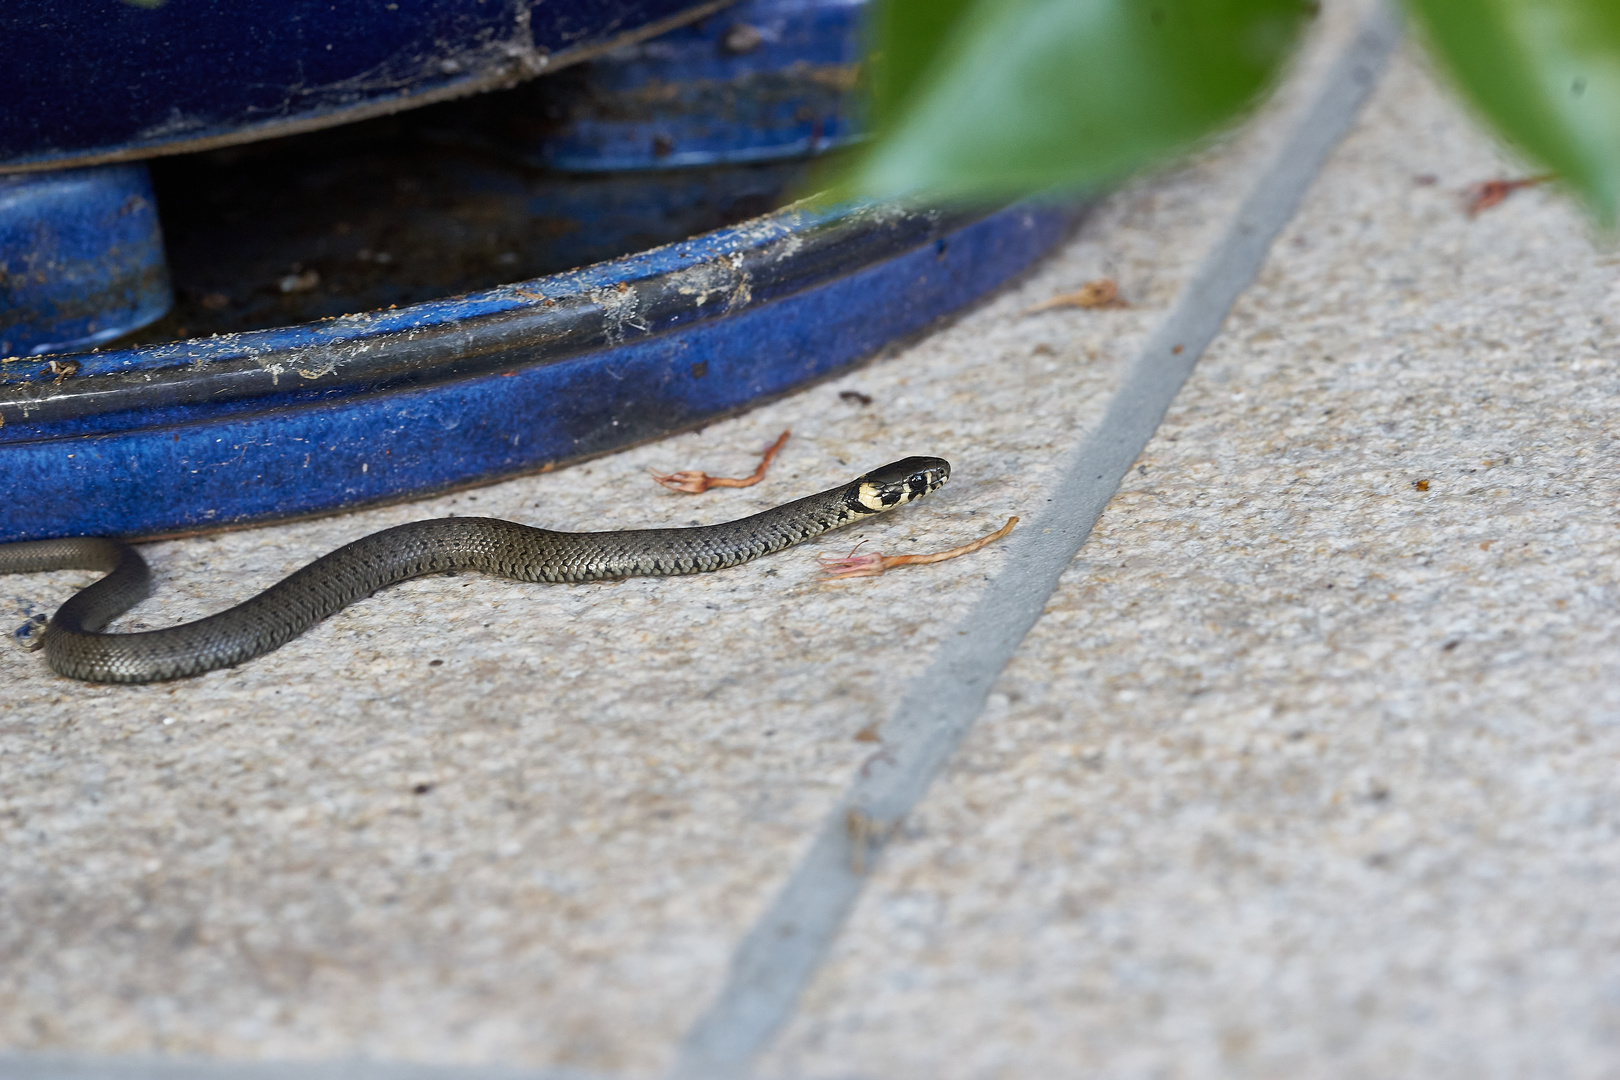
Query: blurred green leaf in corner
[[984, 99], [988, 99], [1546, 73]]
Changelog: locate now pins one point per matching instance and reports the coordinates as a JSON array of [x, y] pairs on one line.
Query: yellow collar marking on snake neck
[[871, 497]]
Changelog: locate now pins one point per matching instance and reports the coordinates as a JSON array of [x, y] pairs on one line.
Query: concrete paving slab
[[785, 947], [1309, 767], [473, 820]]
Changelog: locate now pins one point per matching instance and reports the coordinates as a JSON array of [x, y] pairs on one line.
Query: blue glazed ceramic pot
[[91, 81], [81, 258]]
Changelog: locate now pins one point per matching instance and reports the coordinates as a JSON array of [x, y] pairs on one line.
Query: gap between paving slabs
[[782, 951]]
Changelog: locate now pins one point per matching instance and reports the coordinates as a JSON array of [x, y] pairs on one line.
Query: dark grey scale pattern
[[75, 647]]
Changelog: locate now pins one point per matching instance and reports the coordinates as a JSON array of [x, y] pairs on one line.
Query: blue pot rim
[[775, 317], [539, 321]]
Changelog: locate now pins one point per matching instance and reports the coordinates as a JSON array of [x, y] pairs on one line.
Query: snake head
[[897, 483]]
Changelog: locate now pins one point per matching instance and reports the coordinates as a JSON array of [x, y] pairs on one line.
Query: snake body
[[75, 647]]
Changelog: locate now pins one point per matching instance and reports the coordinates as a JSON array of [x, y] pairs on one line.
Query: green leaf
[[984, 99], [907, 39], [1547, 74]]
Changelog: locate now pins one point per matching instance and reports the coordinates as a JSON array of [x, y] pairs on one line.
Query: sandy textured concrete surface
[[1307, 769], [1310, 767]]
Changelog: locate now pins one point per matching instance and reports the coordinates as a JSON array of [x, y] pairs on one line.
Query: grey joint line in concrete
[[783, 950]]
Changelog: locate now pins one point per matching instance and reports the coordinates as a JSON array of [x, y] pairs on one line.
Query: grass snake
[[75, 646]]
